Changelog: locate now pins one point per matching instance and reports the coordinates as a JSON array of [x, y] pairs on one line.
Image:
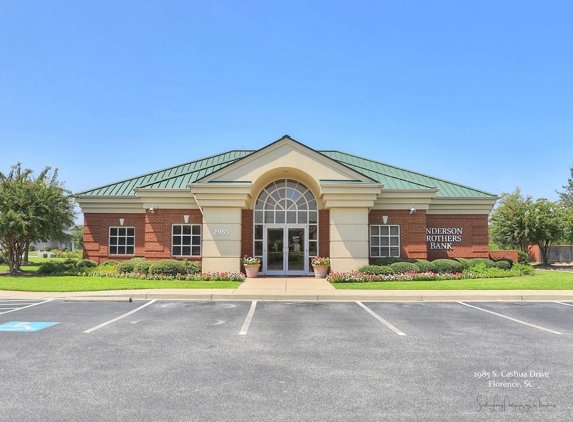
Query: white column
[[348, 238], [221, 239]]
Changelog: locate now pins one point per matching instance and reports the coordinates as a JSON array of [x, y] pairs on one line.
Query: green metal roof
[[178, 177], [398, 178]]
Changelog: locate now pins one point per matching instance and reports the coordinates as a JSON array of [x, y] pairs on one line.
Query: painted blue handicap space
[[25, 327]]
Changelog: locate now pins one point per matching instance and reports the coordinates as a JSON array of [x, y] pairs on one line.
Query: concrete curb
[[375, 296]]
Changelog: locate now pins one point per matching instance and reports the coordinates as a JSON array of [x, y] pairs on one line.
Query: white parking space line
[[119, 317], [511, 319], [247, 322], [566, 304], [24, 307], [382, 320]]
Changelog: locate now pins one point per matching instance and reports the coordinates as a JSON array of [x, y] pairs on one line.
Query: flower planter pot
[[320, 271], [252, 270]]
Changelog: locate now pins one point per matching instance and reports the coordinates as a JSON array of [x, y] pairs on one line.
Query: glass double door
[[285, 250]]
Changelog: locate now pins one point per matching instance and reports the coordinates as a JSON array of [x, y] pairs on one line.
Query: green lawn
[[81, 284], [30, 283], [542, 280]]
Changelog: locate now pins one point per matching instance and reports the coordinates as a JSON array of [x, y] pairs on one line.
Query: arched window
[[289, 203], [286, 201]]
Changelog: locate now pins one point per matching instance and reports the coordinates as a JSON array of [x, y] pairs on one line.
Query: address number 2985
[[221, 232]]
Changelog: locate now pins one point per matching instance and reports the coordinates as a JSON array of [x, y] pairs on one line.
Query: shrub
[[488, 262], [128, 266], [48, 248], [447, 266], [86, 263], [520, 269], [522, 258], [31, 248], [375, 270], [424, 265], [193, 267], [168, 267], [404, 267], [109, 263], [503, 265], [71, 262], [52, 267], [1, 259], [466, 263], [142, 266], [389, 260]]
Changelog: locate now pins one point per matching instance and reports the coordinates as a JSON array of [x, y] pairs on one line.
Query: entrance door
[[286, 251]]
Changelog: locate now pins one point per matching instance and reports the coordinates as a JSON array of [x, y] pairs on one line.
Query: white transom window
[[384, 241]]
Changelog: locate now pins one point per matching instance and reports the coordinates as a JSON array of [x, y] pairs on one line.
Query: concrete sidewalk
[[304, 289]]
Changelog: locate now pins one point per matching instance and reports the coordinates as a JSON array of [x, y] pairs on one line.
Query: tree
[[566, 196], [32, 209], [510, 221], [547, 223]]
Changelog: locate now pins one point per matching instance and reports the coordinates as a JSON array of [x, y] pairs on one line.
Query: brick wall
[[474, 235], [324, 233], [412, 230], [413, 240], [495, 255], [152, 233], [247, 233]]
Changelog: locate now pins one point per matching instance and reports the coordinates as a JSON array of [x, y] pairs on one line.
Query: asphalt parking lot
[[285, 361]]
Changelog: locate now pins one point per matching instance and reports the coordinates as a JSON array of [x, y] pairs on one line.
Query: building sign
[[443, 237]]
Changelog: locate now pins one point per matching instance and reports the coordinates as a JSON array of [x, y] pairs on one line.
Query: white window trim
[[109, 245], [200, 235], [379, 236]]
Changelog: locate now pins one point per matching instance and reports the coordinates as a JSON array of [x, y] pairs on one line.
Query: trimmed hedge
[[404, 267], [387, 261], [488, 262], [424, 265], [466, 263], [86, 263], [447, 266], [109, 263], [193, 267], [52, 267], [128, 266], [503, 265], [142, 267], [375, 270], [168, 267]]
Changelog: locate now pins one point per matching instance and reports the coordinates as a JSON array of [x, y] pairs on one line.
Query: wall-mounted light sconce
[[385, 219], [121, 220], [186, 219]]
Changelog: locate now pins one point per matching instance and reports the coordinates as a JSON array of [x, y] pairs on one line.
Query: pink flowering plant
[[320, 261], [250, 260], [357, 277]]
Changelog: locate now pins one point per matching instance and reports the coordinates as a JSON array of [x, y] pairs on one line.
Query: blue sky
[[478, 92]]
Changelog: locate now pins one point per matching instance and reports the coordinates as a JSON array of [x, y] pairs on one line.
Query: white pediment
[[285, 153]]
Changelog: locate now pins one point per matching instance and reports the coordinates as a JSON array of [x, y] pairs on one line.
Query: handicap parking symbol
[[25, 327]]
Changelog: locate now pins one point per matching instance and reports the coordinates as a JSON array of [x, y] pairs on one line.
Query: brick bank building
[[285, 203]]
